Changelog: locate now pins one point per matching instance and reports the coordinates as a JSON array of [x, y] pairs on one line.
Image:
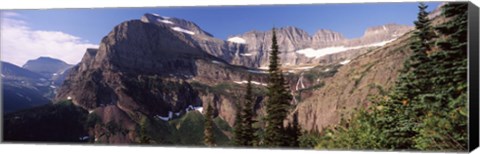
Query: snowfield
[[304, 67], [216, 62], [253, 82], [236, 39], [165, 21], [162, 118], [257, 71], [316, 53], [263, 68], [199, 108], [246, 54], [178, 29], [345, 62]]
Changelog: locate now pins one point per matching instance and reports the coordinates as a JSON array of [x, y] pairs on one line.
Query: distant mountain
[[324, 47], [149, 74], [23, 89], [298, 47], [12, 72], [48, 67]]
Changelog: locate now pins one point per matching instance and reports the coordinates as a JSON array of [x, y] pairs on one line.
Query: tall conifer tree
[[209, 139], [403, 109], [248, 113], [445, 124], [237, 128], [279, 99]]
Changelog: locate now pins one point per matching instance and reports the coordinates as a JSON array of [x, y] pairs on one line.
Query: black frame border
[[473, 58]]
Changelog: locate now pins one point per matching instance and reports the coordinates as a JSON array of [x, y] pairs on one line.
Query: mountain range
[[158, 70]]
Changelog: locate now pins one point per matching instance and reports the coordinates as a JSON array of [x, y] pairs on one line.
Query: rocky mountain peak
[[135, 46], [47, 66], [386, 29], [176, 24], [324, 35]]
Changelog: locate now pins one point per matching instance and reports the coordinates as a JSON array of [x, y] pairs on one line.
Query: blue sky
[[349, 19], [85, 27]]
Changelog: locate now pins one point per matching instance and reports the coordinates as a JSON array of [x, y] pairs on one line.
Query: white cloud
[[19, 43]]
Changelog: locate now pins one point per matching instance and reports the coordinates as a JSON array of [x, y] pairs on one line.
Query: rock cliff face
[[300, 48], [149, 69], [324, 36], [369, 74]]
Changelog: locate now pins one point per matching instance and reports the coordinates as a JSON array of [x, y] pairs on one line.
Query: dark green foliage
[[359, 134], [293, 133], [208, 132], [279, 98], [60, 122], [144, 137], [308, 140], [237, 128], [92, 120], [244, 128], [189, 130], [247, 115], [426, 109], [444, 126]]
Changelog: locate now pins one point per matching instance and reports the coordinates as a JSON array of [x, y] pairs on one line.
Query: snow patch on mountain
[[253, 82], [178, 29], [216, 62], [199, 109], [316, 53], [257, 71], [345, 62], [246, 54], [165, 21], [236, 39], [304, 67]]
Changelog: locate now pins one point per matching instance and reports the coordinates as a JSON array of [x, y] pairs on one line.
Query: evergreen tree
[[402, 109], [293, 133], [279, 99], [209, 139], [244, 131], [444, 127], [144, 138], [237, 128], [248, 131]]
